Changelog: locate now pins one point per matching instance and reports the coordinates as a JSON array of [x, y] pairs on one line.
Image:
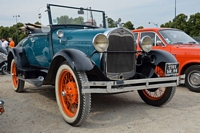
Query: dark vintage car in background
[[78, 54], [182, 46]]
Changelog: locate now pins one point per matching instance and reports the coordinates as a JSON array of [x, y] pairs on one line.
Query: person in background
[[4, 43], [11, 43], [2, 49]]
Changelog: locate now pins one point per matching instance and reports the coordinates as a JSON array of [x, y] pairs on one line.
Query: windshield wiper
[[178, 43], [192, 42]]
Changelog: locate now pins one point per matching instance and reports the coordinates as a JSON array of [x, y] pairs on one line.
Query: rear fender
[[19, 55]]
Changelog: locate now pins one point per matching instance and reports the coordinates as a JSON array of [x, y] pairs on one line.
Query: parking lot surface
[[35, 110]]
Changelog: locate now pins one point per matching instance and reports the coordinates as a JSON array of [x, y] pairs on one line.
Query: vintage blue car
[[78, 54]]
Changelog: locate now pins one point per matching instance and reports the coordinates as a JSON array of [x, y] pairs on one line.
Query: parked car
[[182, 46], [1, 107], [78, 54]]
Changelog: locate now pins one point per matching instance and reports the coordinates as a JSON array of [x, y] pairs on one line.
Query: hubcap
[[195, 78]]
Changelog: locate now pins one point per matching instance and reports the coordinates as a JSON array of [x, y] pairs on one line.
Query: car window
[[176, 37], [150, 34], [158, 41]]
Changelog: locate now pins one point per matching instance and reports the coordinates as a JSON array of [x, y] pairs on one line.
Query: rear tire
[[18, 84], [73, 105], [191, 79], [157, 96], [4, 70]]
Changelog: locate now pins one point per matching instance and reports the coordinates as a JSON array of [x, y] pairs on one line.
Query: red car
[[182, 46]]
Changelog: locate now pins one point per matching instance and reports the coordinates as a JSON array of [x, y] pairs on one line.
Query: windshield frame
[[170, 42], [80, 8]]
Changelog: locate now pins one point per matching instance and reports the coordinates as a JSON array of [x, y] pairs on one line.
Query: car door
[[38, 50]]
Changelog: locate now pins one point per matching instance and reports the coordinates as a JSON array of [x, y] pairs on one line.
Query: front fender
[[162, 56], [159, 56], [76, 60]]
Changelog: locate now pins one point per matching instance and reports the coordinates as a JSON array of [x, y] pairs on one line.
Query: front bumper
[[1, 107], [131, 85]]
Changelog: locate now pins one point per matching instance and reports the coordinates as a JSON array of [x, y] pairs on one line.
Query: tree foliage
[[111, 23], [129, 25], [189, 25], [69, 20], [140, 27], [12, 31]]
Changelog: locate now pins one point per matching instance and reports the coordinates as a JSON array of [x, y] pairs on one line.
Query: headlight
[[146, 43], [100, 42], [60, 33]]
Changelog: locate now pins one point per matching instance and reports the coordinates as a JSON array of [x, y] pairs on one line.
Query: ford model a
[[80, 56]]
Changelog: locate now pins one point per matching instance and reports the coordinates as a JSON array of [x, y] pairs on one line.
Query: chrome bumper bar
[[131, 85]]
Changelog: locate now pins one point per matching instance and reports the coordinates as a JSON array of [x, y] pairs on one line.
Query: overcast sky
[[139, 12]]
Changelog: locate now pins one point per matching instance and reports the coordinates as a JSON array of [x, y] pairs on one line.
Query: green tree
[[140, 27], [194, 25], [129, 25], [66, 20], [111, 23]]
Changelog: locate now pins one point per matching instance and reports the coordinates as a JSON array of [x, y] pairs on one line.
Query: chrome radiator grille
[[120, 56]]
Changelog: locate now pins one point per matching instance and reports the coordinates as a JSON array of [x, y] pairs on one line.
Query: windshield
[[78, 16], [177, 37]]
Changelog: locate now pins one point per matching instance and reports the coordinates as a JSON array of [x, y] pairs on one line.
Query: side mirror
[[159, 43]]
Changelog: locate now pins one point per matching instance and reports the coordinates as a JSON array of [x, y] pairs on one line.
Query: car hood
[[82, 35], [187, 46]]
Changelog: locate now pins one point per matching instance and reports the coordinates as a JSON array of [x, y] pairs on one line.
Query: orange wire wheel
[[14, 74], [18, 85], [73, 105], [68, 93], [157, 96]]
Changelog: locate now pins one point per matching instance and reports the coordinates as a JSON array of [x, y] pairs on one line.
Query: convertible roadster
[[79, 55]]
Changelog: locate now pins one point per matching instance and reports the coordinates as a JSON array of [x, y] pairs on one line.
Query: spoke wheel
[[73, 105], [157, 96], [68, 93], [18, 85]]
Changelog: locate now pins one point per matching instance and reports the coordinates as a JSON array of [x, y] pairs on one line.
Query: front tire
[[192, 78], [18, 84], [73, 105], [157, 96]]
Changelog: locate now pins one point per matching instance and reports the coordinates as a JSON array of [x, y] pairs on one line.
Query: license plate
[[171, 69]]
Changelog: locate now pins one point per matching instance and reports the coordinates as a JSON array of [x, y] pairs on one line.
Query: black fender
[[19, 55], [162, 56], [76, 60], [153, 58]]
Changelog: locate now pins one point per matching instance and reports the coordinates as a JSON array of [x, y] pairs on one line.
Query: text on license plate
[[171, 69]]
